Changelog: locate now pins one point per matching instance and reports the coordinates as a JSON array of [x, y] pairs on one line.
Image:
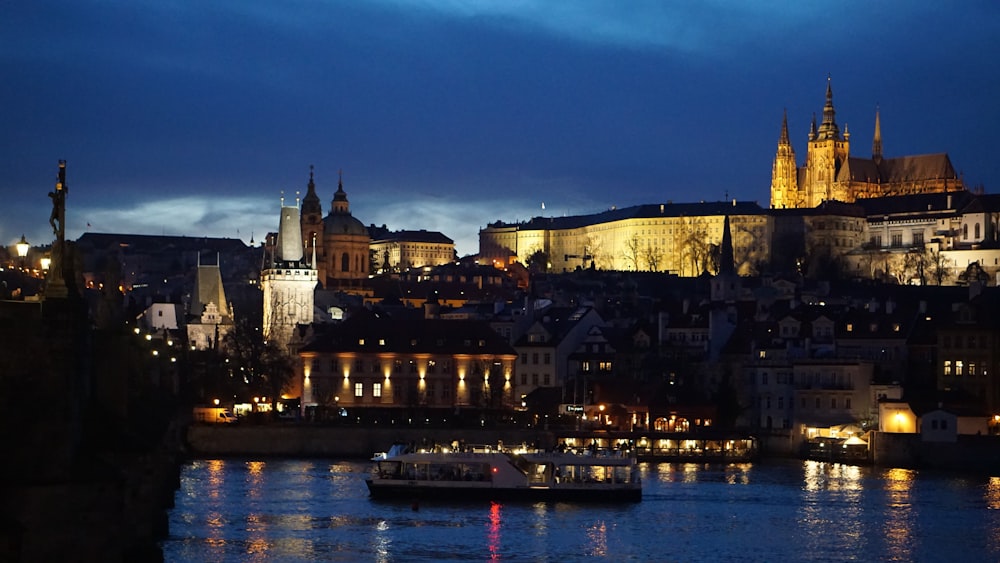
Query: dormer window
[[361, 342], [850, 327]]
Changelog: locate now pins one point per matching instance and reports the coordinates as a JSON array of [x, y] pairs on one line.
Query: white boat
[[505, 474]]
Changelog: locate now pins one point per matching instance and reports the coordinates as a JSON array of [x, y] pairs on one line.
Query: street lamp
[[22, 249]]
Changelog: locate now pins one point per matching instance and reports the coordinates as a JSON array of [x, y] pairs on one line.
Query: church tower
[[784, 172], [827, 153], [312, 226], [288, 280]]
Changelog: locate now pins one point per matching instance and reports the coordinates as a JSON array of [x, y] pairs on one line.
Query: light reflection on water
[[312, 510]]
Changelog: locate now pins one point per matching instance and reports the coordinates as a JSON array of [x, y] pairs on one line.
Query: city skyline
[[189, 120]]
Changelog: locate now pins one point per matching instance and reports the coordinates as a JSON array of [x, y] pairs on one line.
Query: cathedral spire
[[784, 129], [812, 128], [828, 129], [877, 140]]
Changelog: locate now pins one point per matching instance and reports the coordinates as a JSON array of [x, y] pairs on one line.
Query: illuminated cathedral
[[832, 173]]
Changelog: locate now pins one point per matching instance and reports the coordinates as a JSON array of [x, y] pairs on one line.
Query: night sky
[[190, 118]]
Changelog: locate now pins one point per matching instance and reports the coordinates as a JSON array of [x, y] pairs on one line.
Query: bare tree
[[652, 256], [939, 270], [632, 252]]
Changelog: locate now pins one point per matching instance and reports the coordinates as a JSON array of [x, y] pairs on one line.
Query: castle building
[[680, 238], [288, 280], [832, 173], [400, 250], [339, 240]]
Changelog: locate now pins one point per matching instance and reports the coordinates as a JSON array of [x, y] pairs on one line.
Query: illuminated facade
[[369, 361], [288, 280], [678, 238], [400, 250], [831, 173]]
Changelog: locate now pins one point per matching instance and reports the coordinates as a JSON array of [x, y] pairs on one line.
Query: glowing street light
[[22, 248]]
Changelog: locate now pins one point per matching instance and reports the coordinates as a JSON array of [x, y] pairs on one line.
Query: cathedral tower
[[784, 172], [827, 153]]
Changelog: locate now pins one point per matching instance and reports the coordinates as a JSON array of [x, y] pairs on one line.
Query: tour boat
[[497, 473]]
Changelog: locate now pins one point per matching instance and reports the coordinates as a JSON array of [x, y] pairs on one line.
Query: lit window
[[377, 390], [850, 327], [959, 365], [359, 390], [947, 367]]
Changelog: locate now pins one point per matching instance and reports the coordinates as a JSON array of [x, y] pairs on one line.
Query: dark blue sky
[[190, 118]]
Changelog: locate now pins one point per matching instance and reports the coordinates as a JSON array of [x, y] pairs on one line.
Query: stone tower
[[288, 280], [312, 226], [828, 151], [784, 171]]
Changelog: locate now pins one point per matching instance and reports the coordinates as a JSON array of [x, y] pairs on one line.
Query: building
[[211, 315], [831, 173], [378, 361], [402, 250], [545, 347], [339, 240], [681, 238], [288, 280]]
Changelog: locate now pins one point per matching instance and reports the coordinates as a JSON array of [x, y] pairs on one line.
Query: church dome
[[343, 224]]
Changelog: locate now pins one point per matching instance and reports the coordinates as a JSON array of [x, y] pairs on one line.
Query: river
[[312, 510]]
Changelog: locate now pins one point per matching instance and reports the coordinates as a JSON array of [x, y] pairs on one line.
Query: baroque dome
[[343, 224]]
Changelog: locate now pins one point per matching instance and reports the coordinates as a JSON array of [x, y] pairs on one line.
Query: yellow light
[[22, 247], [215, 401]]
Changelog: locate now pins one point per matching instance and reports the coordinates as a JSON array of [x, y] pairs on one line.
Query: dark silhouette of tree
[[261, 366]]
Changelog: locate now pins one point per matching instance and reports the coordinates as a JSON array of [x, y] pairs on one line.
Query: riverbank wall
[[339, 441]]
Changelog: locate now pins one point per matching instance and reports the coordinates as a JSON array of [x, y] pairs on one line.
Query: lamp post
[[22, 249]]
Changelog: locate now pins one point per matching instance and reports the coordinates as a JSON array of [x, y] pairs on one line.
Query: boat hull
[[409, 491]]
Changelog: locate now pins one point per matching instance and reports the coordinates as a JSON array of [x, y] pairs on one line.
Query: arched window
[[977, 231], [965, 232], [345, 263]]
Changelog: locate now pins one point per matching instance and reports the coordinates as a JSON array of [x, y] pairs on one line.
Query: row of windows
[[765, 403], [429, 392], [959, 368], [835, 380], [546, 358], [546, 379], [970, 341]]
